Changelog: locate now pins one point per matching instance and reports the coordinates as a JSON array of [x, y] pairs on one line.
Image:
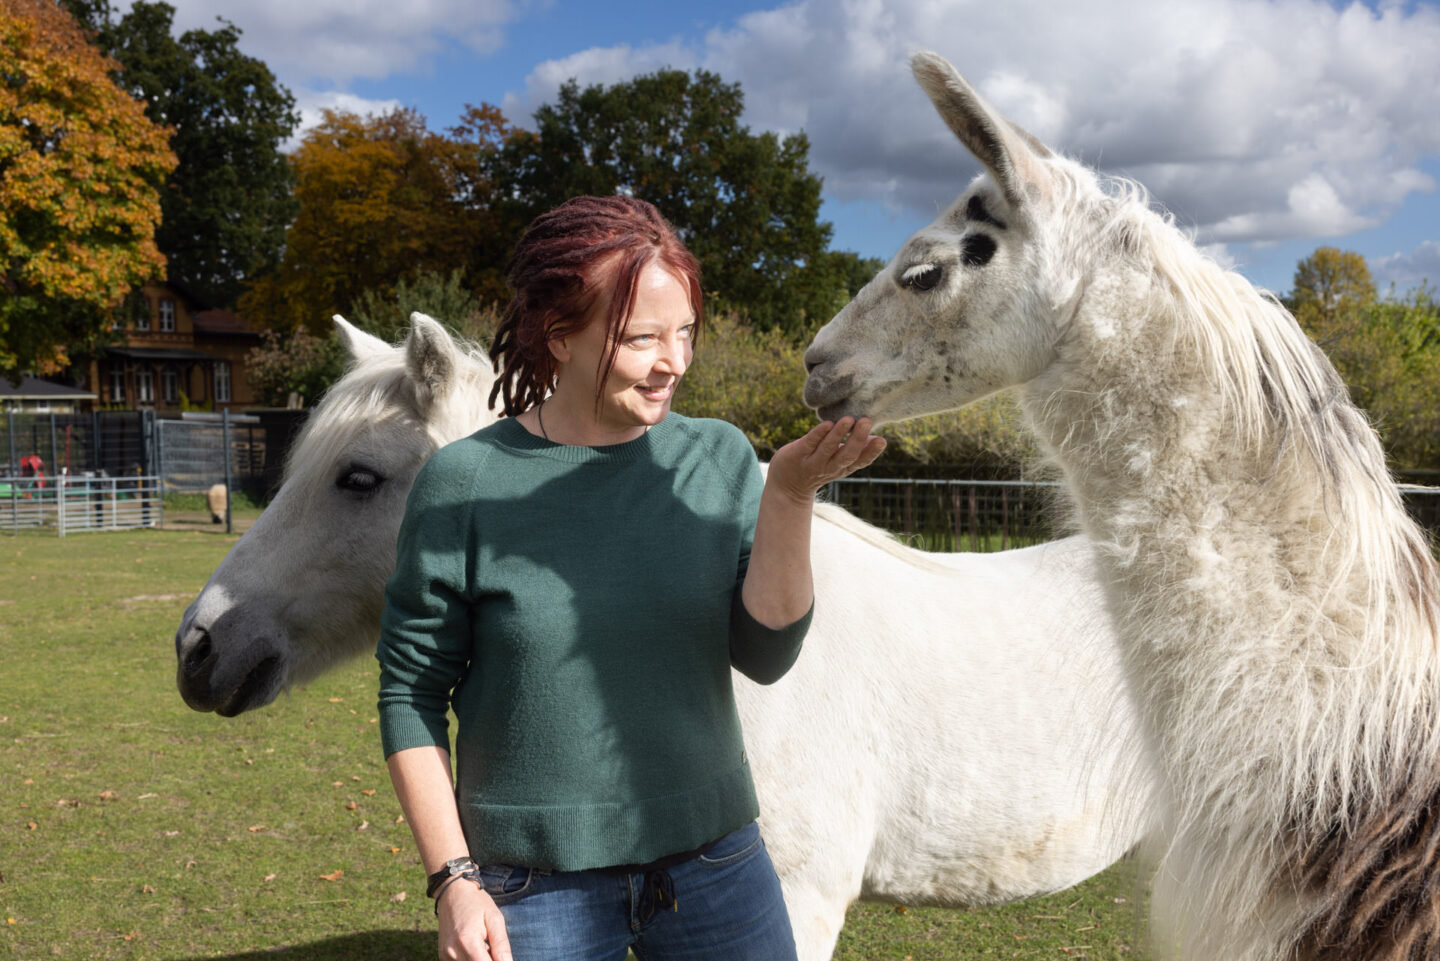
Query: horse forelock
[[376, 392]]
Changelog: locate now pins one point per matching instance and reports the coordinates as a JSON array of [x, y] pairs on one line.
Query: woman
[[577, 581]]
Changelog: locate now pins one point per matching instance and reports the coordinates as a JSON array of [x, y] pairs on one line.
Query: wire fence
[[981, 515], [72, 505]]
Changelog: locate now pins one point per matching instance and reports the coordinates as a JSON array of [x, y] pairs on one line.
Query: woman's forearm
[[778, 589], [421, 778]]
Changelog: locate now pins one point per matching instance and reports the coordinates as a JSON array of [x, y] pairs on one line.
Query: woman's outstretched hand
[[830, 451]]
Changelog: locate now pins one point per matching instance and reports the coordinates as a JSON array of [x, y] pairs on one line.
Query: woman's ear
[[559, 349]]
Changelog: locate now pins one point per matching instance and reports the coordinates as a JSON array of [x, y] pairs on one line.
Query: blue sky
[[1267, 128]]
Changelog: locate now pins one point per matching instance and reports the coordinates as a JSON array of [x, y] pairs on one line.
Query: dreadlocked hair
[[567, 260]]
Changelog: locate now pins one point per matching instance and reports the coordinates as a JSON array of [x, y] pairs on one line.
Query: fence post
[[225, 422], [14, 473], [54, 447], [59, 491]]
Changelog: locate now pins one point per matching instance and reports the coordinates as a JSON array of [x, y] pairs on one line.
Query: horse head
[[303, 588], [974, 302]]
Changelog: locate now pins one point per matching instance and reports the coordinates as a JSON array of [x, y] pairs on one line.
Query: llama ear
[[431, 358], [1010, 153], [358, 344]]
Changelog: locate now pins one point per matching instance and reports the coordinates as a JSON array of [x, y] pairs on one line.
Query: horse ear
[[431, 358], [1009, 152], [358, 343]]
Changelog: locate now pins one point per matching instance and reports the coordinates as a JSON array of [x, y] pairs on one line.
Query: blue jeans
[[727, 907]]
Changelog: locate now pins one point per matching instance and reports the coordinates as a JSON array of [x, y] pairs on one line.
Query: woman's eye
[[641, 340], [358, 480]]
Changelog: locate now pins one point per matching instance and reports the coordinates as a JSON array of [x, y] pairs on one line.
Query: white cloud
[[1421, 265], [1254, 122], [312, 104], [311, 41]]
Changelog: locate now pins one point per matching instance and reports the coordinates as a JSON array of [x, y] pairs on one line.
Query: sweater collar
[[509, 433]]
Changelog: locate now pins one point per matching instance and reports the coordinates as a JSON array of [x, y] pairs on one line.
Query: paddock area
[[135, 828]]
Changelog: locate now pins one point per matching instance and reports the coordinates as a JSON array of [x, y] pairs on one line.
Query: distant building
[[42, 397], [175, 348]]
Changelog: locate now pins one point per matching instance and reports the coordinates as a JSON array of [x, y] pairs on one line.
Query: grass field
[[134, 828]]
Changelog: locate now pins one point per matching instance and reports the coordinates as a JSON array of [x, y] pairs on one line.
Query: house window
[[142, 321], [167, 316], [144, 387], [169, 385], [117, 385], [222, 382]]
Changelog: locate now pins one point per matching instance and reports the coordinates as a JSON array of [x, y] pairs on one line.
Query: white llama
[[1275, 603]]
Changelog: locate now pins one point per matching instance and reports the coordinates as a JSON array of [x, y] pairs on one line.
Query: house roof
[[32, 388], [220, 321], [159, 353]]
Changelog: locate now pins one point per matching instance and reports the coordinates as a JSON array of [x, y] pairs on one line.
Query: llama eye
[[923, 277], [359, 480], [977, 249]]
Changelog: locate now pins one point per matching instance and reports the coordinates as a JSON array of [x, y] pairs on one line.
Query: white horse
[[953, 734], [1276, 605]]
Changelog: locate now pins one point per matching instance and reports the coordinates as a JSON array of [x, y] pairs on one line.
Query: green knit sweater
[[579, 609]]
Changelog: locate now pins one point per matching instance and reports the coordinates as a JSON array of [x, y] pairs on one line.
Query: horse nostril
[[197, 658]]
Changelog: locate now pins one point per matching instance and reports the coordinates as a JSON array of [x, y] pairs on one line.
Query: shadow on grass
[[366, 946]]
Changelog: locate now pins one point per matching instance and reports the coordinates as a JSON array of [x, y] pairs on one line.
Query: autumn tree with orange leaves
[[80, 172], [383, 199]]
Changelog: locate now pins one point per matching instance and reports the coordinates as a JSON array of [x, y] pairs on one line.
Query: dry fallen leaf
[[333, 875], [255, 828], [269, 877], [354, 777], [337, 783], [368, 792], [132, 935], [397, 898], [364, 826], [147, 889], [32, 826], [108, 795], [336, 700], [351, 806], [394, 850]]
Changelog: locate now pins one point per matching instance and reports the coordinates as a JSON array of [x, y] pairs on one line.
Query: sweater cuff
[[762, 653]]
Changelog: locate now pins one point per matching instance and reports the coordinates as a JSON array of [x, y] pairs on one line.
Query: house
[[175, 349], [35, 396]]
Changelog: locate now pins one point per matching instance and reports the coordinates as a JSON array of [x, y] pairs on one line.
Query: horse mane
[[377, 388]]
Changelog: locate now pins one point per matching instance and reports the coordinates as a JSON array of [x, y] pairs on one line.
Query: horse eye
[[359, 480], [924, 278], [977, 249]]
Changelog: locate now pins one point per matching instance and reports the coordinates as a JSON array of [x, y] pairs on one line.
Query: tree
[[745, 203], [299, 363], [80, 172], [1329, 284], [443, 297], [1387, 351], [380, 198], [226, 205]]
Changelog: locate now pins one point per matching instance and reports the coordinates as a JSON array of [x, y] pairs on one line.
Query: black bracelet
[[452, 867], [469, 874]]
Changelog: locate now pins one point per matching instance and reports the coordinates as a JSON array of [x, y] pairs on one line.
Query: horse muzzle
[[227, 682]]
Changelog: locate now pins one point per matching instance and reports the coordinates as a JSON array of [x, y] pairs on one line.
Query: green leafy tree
[[80, 174], [299, 363], [443, 296], [745, 203], [226, 205]]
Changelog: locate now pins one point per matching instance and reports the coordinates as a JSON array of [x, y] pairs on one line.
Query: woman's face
[[655, 350]]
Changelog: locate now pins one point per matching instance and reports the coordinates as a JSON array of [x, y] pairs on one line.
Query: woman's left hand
[[830, 451]]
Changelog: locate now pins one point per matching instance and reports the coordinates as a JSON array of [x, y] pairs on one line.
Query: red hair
[[565, 263]]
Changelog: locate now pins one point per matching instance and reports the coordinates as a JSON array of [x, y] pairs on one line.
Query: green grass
[[134, 828]]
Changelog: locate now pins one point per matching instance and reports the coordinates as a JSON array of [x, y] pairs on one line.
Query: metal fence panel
[[971, 515], [113, 441], [952, 515], [192, 454], [73, 505]]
